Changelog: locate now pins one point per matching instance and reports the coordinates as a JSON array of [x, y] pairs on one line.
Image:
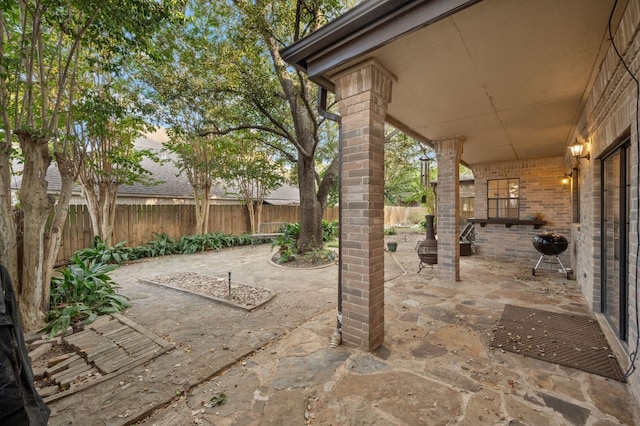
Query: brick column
[[363, 93], [448, 152]]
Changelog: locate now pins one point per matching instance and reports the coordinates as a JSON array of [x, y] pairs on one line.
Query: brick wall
[[609, 116], [541, 191]]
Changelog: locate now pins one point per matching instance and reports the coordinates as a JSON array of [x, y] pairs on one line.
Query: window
[[575, 196], [467, 207], [503, 198]]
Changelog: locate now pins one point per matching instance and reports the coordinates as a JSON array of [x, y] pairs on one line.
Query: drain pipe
[[336, 337]]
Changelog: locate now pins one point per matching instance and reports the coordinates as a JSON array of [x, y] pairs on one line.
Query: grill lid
[[550, 244]]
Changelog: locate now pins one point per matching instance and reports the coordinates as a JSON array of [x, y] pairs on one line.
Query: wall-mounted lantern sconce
[[577, 148], [565, 180]]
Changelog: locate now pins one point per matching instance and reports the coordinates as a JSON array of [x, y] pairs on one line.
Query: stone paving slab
[[208, 337], [435, 367]]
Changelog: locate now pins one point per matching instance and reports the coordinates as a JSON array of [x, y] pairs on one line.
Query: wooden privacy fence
[[403, 216], [136, 224]]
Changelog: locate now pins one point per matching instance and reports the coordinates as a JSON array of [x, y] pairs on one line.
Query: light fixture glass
[[566, 179], [576, 150]]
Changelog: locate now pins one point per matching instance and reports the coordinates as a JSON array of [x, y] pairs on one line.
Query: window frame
[[502, 204]]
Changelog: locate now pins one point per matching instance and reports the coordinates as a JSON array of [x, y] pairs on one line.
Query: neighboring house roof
[[286, 195], [173, 184], [510, 77]]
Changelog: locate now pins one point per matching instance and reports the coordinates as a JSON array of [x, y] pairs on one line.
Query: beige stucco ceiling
[[510, 76]]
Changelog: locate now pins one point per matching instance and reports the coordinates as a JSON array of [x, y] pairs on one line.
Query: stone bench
[[267, 231]]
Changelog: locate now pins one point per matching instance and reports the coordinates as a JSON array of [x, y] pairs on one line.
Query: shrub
[[140, 252], [192, 244], [291, 230], [244, 240], [284, 242], [329, 230], [163, 245], [223, 240], [390, 231], [82, 292], [102, 253], [287, 255]]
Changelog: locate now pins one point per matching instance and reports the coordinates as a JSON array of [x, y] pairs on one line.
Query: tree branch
[[228, 130]]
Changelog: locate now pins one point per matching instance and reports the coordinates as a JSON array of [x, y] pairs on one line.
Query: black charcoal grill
[[550, 245]]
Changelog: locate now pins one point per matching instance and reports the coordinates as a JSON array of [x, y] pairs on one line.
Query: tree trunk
[[36, 203], [8, 242], [102, 207], [108, 196], [310, 208], [91, 198], [201, 196], [258, 215], [252, 216], [52, 243]]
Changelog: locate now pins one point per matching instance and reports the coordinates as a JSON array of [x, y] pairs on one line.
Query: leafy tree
[[180, 83], [405, 174], [201, 158], [402, 169], [226, 62], [256, 172], [108, 125], [42, 47]]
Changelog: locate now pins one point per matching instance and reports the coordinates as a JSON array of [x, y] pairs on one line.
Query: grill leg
[[564, 270], [533, 271]]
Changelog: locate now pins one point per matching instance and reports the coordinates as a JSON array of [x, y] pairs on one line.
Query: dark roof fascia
[[361, 16], [366, 27]]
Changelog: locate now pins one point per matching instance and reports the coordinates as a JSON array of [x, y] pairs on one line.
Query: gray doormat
[[570, 340]]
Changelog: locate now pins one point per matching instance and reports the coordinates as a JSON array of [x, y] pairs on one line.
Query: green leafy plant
[[140, 252], [390, 231], [192, 244], [162, 245], [329, 230], [225, 240], [286, 247], [244, 240], [287, 255], [61, 319], [217, 400], [83, 291], [284, 242], [103, 253], [291, 230], [215, 241]]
